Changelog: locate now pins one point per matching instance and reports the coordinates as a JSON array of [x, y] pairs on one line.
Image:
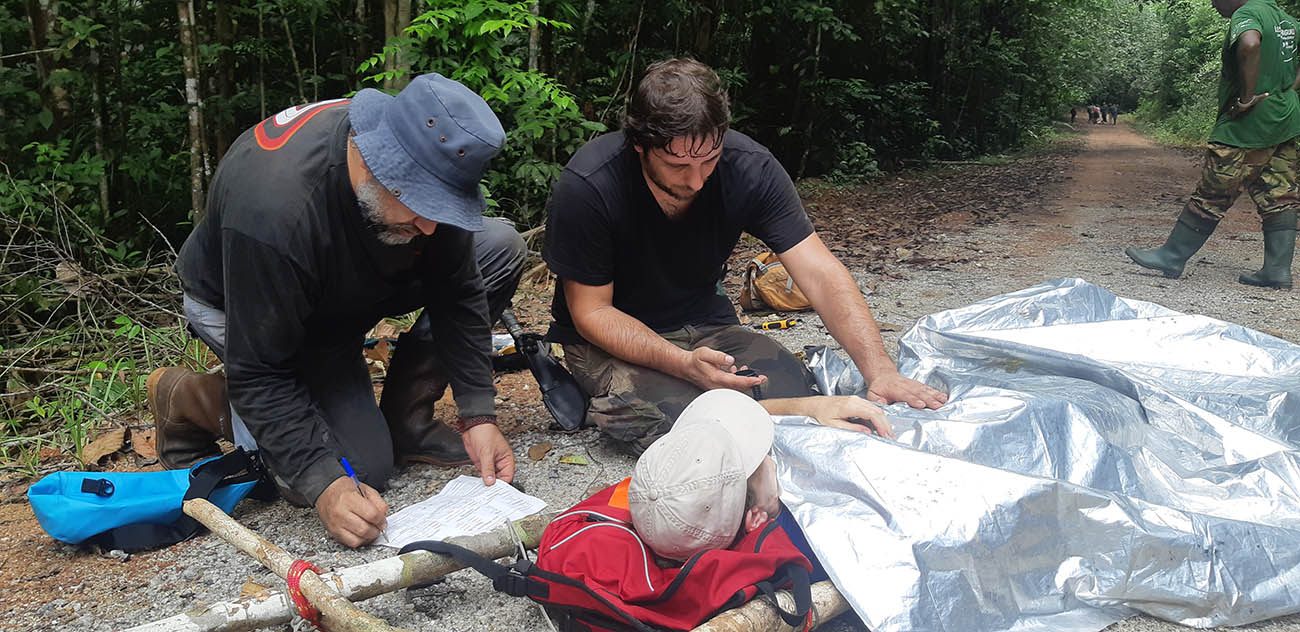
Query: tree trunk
[[293, 54], [261, 62], [397, 16], [225, 31], [97, 94], [315, 66], [533, 41], [363, 37], [198, 17], [42, 15], [811, 108], [575, 66], [706, 21], [189, 54]]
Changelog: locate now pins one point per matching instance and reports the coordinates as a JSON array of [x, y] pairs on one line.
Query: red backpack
[[594, 572]]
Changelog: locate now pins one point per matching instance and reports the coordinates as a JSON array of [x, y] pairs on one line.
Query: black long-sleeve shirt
[[284, 251]]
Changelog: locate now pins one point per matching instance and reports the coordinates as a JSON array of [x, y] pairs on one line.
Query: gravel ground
[[1120, 190]]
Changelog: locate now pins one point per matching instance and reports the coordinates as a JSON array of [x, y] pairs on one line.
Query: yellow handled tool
[[778, 324]]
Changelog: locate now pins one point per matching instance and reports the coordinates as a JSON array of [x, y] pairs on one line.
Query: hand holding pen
[[347, 467], [353, 512]]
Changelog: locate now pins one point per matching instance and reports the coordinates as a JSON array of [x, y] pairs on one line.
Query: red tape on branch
[[305, 609]]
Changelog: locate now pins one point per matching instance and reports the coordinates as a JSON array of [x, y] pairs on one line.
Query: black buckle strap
[[97, 486], [203, 480], [517, 585], [511, 580], [800, 589]]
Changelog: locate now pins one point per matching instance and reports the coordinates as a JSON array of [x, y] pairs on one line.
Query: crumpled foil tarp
[[1098, 457]]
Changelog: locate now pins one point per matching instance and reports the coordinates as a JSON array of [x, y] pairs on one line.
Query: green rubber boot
[[1279, 250], [1189, 234]]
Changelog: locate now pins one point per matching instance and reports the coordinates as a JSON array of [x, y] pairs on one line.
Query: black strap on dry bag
[[236, 467]]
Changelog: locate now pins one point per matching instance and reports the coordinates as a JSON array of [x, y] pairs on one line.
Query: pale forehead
[[685, 148]]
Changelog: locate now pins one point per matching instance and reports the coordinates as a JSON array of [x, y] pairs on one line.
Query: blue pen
[[347, 468]]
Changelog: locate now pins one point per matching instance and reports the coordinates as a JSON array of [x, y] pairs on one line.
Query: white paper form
[[465, 506]]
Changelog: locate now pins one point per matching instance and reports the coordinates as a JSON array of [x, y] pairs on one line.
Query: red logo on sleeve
[[274, 132]]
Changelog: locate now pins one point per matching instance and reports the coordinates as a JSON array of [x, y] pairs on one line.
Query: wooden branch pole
[[337, 613], [273, 607], [760, 616], [537, 274]]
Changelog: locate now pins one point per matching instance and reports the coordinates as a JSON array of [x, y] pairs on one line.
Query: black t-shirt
[[604, 226], [284, 251]]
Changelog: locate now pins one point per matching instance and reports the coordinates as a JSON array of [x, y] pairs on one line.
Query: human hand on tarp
[[893, 387], [849, 412]]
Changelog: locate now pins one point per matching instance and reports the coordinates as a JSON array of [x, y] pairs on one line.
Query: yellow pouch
[[769, 286]]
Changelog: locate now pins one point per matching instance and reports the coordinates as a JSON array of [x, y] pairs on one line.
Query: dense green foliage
[[97, 169], [1186, 38], [832, 86]]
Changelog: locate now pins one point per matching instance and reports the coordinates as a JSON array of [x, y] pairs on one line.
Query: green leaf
[[45, 118]]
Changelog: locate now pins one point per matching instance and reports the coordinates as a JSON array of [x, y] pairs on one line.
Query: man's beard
[[681, 197], [369, 199]]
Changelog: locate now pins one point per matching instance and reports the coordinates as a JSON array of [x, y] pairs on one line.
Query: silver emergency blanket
[[1098, 457]]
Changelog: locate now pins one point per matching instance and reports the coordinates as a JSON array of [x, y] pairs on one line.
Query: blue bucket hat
[[429, 146]]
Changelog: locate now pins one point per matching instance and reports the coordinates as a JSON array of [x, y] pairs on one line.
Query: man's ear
[[754, 518]]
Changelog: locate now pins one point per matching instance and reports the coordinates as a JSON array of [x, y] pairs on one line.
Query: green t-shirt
[[1277, 118]]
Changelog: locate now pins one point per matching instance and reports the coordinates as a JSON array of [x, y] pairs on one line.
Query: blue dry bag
[[138, 510]]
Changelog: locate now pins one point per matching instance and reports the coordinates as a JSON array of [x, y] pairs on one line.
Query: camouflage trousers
[[636, 405], [1268, 173]]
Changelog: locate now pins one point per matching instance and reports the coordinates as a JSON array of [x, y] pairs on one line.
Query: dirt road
[[920, 243], [1122, 189]]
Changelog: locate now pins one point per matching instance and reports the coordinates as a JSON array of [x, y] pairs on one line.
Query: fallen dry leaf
[[104, 445], [251, 588], [385, 329], [573, 459], [538, 451], [142, 443], [379, 353]]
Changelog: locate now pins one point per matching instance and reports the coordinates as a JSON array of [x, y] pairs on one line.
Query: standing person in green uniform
[[1252, 146]]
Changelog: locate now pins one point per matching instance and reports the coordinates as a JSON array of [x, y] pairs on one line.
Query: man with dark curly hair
[[639, 229]]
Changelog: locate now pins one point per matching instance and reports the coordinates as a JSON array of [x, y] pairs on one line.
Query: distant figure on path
[[1252, 146], [1074, 114]]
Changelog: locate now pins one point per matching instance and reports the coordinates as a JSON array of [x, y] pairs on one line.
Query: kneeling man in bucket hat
[[321, 221]]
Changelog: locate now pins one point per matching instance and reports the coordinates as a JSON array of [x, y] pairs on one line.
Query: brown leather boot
[[415, 381], [190, 412]]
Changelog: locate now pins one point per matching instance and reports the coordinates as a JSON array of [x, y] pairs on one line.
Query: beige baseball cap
[[688, 489]]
